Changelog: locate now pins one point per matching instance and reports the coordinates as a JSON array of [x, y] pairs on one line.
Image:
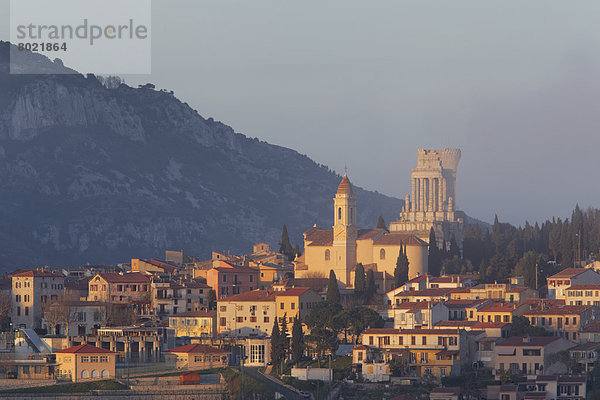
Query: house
[[423, 314], [416, 283], [169, 298], [31, 291], [578, 295], [493, 329], [85, 362], [520, 294], [486, 347], [119, 288], [558, 283], [198, 356], [450, 281], [249, 314], [153, 267], [529, 355], [586, 355], [590, 333], [464, 309], [542, 387], [75, 317], [228, 279], [295, 303], [271, 273], [194, 323], [499, 312], [563, 320], [423, 295]]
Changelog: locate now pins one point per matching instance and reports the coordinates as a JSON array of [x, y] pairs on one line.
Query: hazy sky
[[514, 84]]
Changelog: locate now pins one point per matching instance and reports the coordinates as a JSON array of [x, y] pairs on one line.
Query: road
[[273, 384]]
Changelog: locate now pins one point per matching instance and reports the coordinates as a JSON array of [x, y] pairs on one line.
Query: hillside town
[[356, 311]]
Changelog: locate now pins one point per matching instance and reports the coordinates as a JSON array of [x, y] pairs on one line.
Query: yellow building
[[119, 288], [199, 356], [499, 312], [295, 303], [194, 323], [85, 362], [341, 248]]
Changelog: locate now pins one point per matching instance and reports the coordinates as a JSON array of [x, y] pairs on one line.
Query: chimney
[[527, 339]]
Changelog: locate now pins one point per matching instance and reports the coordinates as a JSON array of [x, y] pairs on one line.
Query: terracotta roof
[[196, 285], [488, 325], [364, 234], [426, 292], [416, 305], [391, 331], [501, 307], [132, 277], [419, 278], [345, 186], [594, 327], [198, 349], [255, 295], [381, 331], [450, 390], [198, 314], [517, 289], [568, 273], [320, 237], [584, 287], [528, 341], [560, 310], [86, 349], [41, 273], [296, 291], [464, 302], [395, 238], [586, 346], [456, 324]]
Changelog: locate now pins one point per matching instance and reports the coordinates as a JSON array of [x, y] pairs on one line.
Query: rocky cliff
[[99, 175]]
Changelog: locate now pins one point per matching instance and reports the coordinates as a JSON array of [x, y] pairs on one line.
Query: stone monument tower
[[432, 202]]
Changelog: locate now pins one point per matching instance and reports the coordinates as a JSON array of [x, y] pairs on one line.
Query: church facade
[[342, 247]]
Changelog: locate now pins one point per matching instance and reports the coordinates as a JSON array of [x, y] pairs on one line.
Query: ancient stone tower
[[432, 202]]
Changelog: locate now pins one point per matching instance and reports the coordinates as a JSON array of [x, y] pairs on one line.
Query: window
[[251, 278], [26, 310], [224, 278], [119, 288], [413, 340], [85, 359], [257, 353], [239, 319], [360, 356], [18, 298], [339, 213], [252, 319], [266, 319], [382, 254], [371, 340], [18, 311], [94, 359], [281, 305], [327, 255], [293, 306], [424, 340], [223, 321], [84, 374], [223, 308]]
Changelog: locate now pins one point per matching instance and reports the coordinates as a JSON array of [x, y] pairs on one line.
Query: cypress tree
[[297, 341], [370, 289], [276, 356], [360, 283], [401, 270], [435, 264], [381, 223], [284, 340], [333, 291], [285, 247]]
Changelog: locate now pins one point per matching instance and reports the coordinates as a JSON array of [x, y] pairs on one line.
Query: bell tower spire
[[345, 231]]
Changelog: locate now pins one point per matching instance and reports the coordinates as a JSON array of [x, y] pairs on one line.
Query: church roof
[[395, 238], [320, 237], [345, 186]]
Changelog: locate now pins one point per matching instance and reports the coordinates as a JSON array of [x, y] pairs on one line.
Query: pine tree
[[381, 223], [360, 283], [276, 356], [333, 291], [297, 341], [285, 245], [371, 288]]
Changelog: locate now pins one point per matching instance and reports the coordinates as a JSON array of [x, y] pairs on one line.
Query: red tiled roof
[[500, 307], [560, 310], [416, 305], [364, 234], [456, 324], [86, 349], [198, 349], [381, 331], [391, 331], [568, 273], [42, 273], [320, 237], [488, 325], [132, 277], [517, 289], [594, 327], [464, 302], [396, 238], [426, 292], [584, 287], [255, 295], [197, 314], [345, 187]]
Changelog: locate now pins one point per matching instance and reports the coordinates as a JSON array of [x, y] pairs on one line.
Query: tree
[[360, 283], [212, 300], [322, 340], [118, 315], [322, 314], [357, 319], [276, 355], [401, 270], [526, 268], [333, 290], [520, 326], [454, 249], [381, 223], [285, 247], [297, 252], [58, 312], [284, 339], [297, 340], [5, 310], [371, 289], [399, 366]]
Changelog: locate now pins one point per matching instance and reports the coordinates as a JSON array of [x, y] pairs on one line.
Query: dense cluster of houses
[[80, 324]]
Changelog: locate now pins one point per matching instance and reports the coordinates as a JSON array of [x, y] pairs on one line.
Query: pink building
[[227, 279]]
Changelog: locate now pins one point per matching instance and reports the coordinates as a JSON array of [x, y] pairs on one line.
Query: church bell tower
[[344, 231]]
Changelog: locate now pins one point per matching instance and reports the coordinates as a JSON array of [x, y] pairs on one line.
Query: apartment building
[[528, 355], [578, 295], [169, 298], [423, 314], [423, 295], [499, 312], [31, 291], [228, 279], [295, 303], [194, 323], [560, 282], [585, 355], [435, 352], [564, 320], [119, 288], [249, 314]]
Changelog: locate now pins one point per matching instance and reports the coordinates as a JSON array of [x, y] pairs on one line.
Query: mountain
[[97, 175]]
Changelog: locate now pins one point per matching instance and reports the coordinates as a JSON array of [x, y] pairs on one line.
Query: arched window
[[94, 373], [382, 254], [84, 374], [105, 373], [351, 215], [327, 255], [340, 213]]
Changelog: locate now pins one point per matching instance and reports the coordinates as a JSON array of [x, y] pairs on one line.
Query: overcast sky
[[514, 84]]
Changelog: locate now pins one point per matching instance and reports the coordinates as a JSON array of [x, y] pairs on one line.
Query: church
[[342, 247]]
